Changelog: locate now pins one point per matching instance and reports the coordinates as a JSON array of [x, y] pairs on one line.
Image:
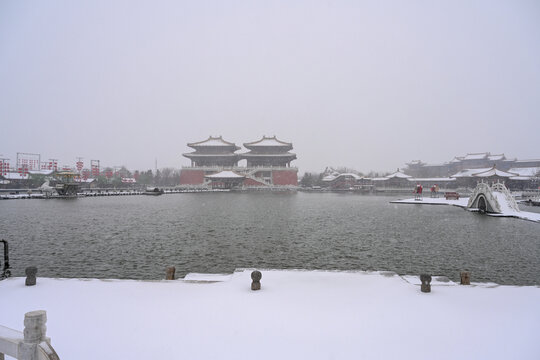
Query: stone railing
[[32, 344], [499, 187]]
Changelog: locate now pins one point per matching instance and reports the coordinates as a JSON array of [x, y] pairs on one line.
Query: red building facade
[[268, 162]]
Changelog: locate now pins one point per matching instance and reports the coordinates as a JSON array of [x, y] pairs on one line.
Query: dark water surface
[[137, 237]]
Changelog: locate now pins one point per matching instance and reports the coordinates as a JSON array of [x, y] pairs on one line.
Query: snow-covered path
[[296, 315]]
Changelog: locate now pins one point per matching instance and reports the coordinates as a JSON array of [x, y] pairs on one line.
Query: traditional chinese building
[[268, 162], [417, 168], [213, 151], [269, 151]]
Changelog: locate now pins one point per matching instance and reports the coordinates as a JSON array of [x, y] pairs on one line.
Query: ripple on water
[[137, 237]]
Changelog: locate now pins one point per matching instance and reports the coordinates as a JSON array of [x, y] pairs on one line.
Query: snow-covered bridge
[[495, 199]]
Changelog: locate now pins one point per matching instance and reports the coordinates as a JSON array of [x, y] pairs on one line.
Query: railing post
[[34, 333]]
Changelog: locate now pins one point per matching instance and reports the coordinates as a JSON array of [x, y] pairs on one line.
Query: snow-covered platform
[[462, 202], [296, 315]]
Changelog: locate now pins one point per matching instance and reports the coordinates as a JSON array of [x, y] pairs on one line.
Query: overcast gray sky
[[364, 84]]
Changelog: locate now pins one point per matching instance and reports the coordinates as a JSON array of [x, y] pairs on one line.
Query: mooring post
[[34, 333], [170, 273], [256, 277], [426, 283], [465, 278], [31, 272]]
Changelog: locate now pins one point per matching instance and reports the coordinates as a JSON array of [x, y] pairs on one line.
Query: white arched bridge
[[494, 199]]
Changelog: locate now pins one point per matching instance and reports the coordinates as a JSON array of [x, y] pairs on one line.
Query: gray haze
[[364, 84]]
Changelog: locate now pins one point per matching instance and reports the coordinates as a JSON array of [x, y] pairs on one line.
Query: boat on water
[[153, 191]]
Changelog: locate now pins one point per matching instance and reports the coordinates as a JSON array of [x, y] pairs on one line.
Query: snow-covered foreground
[[462, 202], [296, 315]]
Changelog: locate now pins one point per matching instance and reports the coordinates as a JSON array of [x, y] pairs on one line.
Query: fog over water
[[364, 84]]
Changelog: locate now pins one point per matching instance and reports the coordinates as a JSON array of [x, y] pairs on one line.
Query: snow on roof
[[15, 176], [226, 174], [468, 172], [528, 171], [496, 157], [476, 156], [398, 174], [268, 141], [334, 176], [456, 159], [434, 180], [527, 160], [250, 154], [41, 172], [212, 141], [195, 154], [494, 172]]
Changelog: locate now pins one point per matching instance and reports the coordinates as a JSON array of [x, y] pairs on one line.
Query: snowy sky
[[364, 84]]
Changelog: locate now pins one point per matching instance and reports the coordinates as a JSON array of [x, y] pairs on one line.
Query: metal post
[[5, 270], [6, 253]]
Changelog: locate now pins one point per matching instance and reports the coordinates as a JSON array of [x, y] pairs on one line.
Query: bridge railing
[[500, 187], [32, 344]]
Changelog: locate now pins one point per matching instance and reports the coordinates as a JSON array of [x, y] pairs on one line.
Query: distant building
[[268, 163], [468, 170], [417, 168], [269, 151]]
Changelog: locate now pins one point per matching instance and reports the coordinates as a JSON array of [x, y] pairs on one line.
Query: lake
[[137, 237]]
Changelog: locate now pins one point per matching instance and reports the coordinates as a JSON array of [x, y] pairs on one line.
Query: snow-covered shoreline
[[462, 203], [296, 315]]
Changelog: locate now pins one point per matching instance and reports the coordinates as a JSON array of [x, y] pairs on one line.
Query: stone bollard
[[426, 283], [31, 272], [256, 277], [34, 333], [465, 278], [170, 273]]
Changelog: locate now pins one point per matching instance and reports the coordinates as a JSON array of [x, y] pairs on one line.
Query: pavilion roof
[[416, 163], [213, 141], [196, 154], [496, 157], [469, 172], [268, 141], [476, 156], [398, 174], [284, 154], [332, 177], [456, 159], [526, 171], [435, 180], [495, 172]]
